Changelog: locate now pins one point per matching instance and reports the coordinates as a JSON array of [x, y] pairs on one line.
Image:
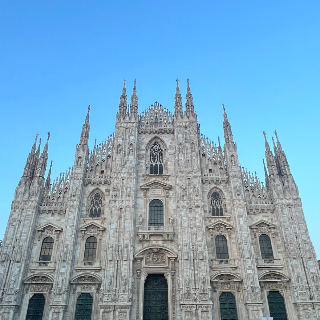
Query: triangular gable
[[92, 224], [169, 252], [156, 183], [263, 223], [225, 276], [219, 224], [49, 226]]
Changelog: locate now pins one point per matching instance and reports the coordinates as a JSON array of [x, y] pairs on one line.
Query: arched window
[[35, 307], [216, 204], [95, 205], [156, 213], [221, 247], [265, 247], [90, 249], [276, 306], [156, 159], [84, 307], [46, 249], [228, 307]]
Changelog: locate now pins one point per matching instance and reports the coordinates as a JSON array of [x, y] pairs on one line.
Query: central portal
[[155, 306]]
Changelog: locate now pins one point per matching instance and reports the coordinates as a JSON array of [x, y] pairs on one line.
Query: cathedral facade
[[158, 223]]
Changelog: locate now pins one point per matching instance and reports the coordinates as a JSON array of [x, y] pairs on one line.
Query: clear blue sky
[[260, 58]]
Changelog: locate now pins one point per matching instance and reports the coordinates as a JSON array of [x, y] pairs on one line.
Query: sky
[[259, 58]]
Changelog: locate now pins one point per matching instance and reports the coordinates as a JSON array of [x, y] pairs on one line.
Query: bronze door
[[155, 305]]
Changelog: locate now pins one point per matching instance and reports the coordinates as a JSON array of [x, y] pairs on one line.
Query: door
[[276, 306], [228, 308], [155, 305]]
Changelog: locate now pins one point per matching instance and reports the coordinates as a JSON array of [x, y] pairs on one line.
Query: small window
[[156, 159], [210, 170], [36, 307], [221, 247], [265, 247], [216, 204], [84, 307], [95, 205], [46, 249], [90, 249], [156, 213]]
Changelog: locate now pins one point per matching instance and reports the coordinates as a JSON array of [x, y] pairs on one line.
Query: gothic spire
[[85, 130], [178, 112], [228, 137], [28, 169], [42, 162], [48, 181], [282, 158], [134, 100], [271, 163], [123, 101], [189, 101]]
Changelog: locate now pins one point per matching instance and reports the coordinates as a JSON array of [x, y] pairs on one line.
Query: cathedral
[[157, 222]]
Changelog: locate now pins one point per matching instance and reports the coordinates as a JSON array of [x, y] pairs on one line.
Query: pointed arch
[[96, 203], [155, 152], [216, 202]]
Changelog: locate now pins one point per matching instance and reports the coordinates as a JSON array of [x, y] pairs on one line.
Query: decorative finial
[[264, 133], [188, 83], [48, 136], [135, 83], [177, 83], [223, 107], [124, 83], [88, 107]]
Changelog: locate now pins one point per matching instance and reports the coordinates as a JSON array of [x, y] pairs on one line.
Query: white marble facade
[[204, 194]]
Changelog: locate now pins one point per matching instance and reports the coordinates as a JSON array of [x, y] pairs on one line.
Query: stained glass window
[[90, 249], [221, 247], [46, 249], [156, 159], [35, 307], [265, 247], [228, 308], [156, 213], [276, 306], [95, 205], [84, 307], [216, 204]]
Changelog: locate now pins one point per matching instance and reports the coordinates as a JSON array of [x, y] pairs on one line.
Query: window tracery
[[156, 159], [96, 204], [216, 204]]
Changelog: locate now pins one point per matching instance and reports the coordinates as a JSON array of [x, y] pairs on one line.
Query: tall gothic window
[[35, 307], [276, 306], [156, 159], [95, 205], [156, 213], [216, 204], [90, 250], [46, 249], [84, 307], [221, 247], [228, 307], [265, 247]]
